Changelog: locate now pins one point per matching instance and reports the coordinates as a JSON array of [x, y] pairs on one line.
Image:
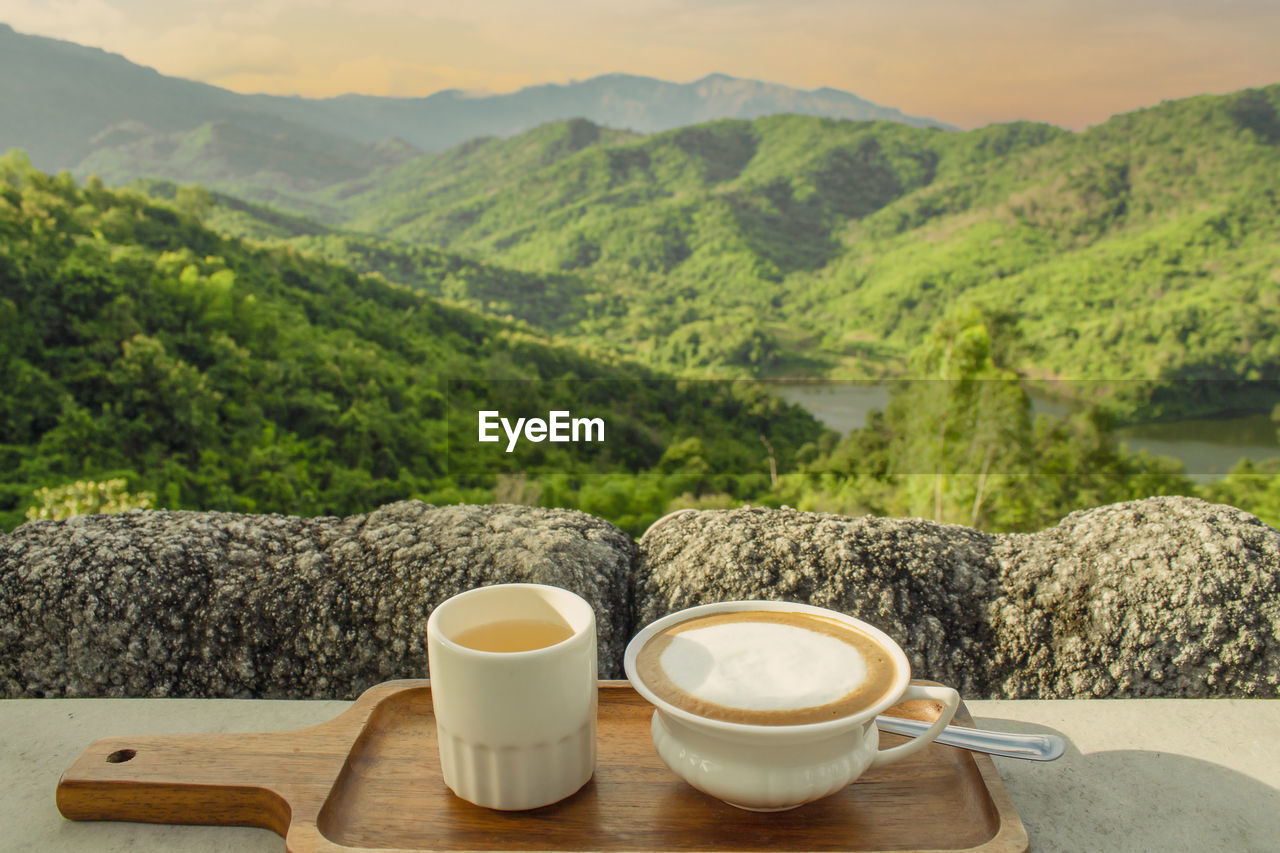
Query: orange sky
[[968, 63]]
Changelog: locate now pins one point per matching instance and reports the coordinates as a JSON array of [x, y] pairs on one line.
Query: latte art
[[767, 667], [759, 666]]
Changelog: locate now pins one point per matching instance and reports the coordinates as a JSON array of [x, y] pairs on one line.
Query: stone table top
[[1159, 774]]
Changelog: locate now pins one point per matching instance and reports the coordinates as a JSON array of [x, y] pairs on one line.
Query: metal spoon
[[1032, 747]]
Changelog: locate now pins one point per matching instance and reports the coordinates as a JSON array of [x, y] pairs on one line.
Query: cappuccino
[[767, 667]]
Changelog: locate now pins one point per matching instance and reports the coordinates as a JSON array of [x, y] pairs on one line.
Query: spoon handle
[[1032, 747]]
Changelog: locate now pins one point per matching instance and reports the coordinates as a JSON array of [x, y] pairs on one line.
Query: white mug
[[773, 768], [517, 730]]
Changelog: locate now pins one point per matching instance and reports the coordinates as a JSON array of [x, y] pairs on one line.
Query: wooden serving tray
[[370, 780]]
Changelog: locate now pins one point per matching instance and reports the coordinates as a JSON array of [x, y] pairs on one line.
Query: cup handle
[[951, 701]]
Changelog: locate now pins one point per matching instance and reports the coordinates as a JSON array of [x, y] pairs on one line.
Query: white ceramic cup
[[772, 768], [517, 730]]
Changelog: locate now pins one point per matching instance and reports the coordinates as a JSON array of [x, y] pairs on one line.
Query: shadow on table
[[1133, 800]]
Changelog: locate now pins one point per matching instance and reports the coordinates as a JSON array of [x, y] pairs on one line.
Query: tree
[[964, 426], [86, 497]]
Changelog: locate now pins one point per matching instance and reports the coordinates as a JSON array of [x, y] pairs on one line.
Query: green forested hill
[[265, 158], [140, 347], [549, 301], [137, 343], [789, 245], [1143, 248]]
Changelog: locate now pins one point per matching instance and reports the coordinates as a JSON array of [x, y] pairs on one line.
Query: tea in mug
[[513, 635], [513, 690]]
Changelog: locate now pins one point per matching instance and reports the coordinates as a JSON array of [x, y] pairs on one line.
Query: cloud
[[381, 75], [216, 55], [375, 74], [89, 22]]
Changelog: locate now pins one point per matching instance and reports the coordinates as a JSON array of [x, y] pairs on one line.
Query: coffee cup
[[513, 687], [768, 705]]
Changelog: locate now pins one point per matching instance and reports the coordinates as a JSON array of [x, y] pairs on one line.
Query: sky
[[969, 63]]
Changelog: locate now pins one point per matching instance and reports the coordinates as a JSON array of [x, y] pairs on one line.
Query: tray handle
[[213, 779], [950, 700]]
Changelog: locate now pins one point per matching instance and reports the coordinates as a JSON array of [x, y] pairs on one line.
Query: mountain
[[147, 359], [1141, 249], [1138, 251], [547, 301], [93, 112], [695, 239], [623, 101], [86, 110], [265, 158], [62, 101], [218, 373]]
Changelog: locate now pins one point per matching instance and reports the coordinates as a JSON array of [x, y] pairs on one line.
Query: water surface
[[1208, 447]]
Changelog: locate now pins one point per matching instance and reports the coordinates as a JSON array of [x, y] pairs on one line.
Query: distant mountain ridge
[[85, 109], [622, 101]]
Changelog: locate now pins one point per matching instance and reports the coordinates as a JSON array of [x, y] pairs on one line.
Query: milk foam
[[762, 666]]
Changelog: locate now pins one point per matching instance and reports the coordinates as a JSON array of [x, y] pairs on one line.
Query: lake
[[1208, 447]]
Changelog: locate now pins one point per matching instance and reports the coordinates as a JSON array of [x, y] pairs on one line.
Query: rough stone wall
[[924, 584], [216, 604], [1161, 597]]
